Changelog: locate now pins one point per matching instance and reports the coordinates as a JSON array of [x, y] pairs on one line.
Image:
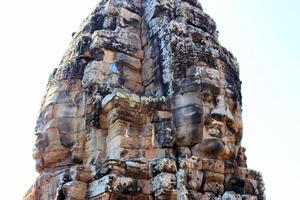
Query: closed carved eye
[[207, 96]]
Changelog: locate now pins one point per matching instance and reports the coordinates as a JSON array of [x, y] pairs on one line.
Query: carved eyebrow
[[215, 89]]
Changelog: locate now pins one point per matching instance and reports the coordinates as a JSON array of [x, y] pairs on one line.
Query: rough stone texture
[[145, 104]]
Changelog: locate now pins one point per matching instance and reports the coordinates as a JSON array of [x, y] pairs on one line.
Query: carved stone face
[[60, 125], [207, 114], [52, 147]]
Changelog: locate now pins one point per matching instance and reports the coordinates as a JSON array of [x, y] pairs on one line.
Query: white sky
[[263, 35]]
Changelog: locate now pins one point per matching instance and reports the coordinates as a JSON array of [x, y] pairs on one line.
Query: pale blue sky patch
[[113, 68]]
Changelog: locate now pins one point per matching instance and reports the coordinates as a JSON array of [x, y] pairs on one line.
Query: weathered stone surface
[[164, 181], [235, 196], [192, 178], [213, 165], [145, 104], [137, 170], [75, 190], [165, 194], [49, 185], [164, 135], [163, 165], [112, 183], [156, 153], [213, 182], [191, 163], [82, 173]]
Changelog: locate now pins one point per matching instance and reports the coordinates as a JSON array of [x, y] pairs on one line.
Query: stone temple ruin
[[145, 104]]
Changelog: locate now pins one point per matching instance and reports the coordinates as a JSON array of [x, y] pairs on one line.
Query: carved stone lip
[[214, 128], [212, 148], [215, 132]]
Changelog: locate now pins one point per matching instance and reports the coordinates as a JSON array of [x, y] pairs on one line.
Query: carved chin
[[212, 148]]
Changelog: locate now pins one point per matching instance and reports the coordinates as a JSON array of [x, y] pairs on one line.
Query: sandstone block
[[235, 183], [127, 129], [194, 195], [104, 196], [123, 59], [187, 121], [56, 156], [125, 185], [184, 152], [78, 147], [233, 196], [75, 190], [164, 194], [111, 196], [124, 114], [142, 197], [68, 110], [191, 163], [131, 142], [252, 187], [164, 181], [154, 154], [70, 125], [137, 170], [82, 173], [49, 183], [192, 178], [213, 182], [95, 146], [208, 195], [212, 165], [164, 135], [110, 166], [63, 97], [116, 152], [111, 183], [163, 165], [145, 186], [127, 43]]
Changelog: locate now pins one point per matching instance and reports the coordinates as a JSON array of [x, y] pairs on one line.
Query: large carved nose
[[222, 114]]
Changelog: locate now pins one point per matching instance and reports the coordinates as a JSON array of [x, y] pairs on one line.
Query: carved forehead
[[203, 71], [201, 78], [199, 85]]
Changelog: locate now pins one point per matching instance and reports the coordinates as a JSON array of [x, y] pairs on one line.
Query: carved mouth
[[214, 132], [214, 129]]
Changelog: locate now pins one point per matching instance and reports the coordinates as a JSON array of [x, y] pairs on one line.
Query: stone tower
[[145, 104]]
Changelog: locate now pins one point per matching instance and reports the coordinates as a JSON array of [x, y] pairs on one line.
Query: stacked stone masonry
[[145, 104]]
